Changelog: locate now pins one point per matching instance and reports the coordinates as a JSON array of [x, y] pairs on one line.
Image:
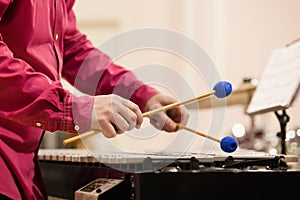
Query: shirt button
[[76, 127], [38, 124], [56, 36]]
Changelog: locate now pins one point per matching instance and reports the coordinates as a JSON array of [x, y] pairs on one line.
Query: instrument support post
[[283, 120]]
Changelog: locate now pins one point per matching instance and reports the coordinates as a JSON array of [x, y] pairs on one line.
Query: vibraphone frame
[[212, 177]]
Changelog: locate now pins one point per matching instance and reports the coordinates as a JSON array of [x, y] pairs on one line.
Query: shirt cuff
[[142, 95], [78, 113]]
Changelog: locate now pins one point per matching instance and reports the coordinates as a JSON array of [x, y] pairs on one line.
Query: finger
[[118, 131], [156, 124], [175, 114], [157, 119], [136, 110], [107, 129], [169, 125], [179, 115], [123, 117], [184, 115], [162, 121], [121, 123]]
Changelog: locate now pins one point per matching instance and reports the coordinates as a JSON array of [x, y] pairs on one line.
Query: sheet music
[[280, 82]]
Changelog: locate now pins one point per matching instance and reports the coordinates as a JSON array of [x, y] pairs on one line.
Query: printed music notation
[[280, 82]]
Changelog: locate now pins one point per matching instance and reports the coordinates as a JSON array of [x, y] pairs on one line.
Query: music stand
[[278, 87]]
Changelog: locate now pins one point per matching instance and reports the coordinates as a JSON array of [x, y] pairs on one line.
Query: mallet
[[228, 143], [221, 90]]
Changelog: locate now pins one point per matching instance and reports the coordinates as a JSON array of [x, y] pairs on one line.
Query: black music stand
[[279, 87], [283, 120]]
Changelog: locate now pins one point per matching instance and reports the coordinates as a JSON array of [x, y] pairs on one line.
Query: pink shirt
[[39, 43]]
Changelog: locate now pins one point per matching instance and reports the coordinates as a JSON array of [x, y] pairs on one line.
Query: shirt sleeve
[[3, 6], [32, 99], [93, 72]]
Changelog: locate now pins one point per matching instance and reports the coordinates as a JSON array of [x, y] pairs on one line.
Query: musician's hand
[[166, 120], [113, 115]]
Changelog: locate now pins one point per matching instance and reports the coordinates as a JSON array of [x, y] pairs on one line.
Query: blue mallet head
[[229, 144], [223, 89]]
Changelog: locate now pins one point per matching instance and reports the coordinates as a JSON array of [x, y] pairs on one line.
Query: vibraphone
[[77, 174]]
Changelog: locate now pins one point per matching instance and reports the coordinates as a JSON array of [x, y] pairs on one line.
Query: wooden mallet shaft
[[173, 105], [78, 137], [197, 132]]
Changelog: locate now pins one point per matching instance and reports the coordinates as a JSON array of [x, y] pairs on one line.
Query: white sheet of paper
[[280, 82]]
